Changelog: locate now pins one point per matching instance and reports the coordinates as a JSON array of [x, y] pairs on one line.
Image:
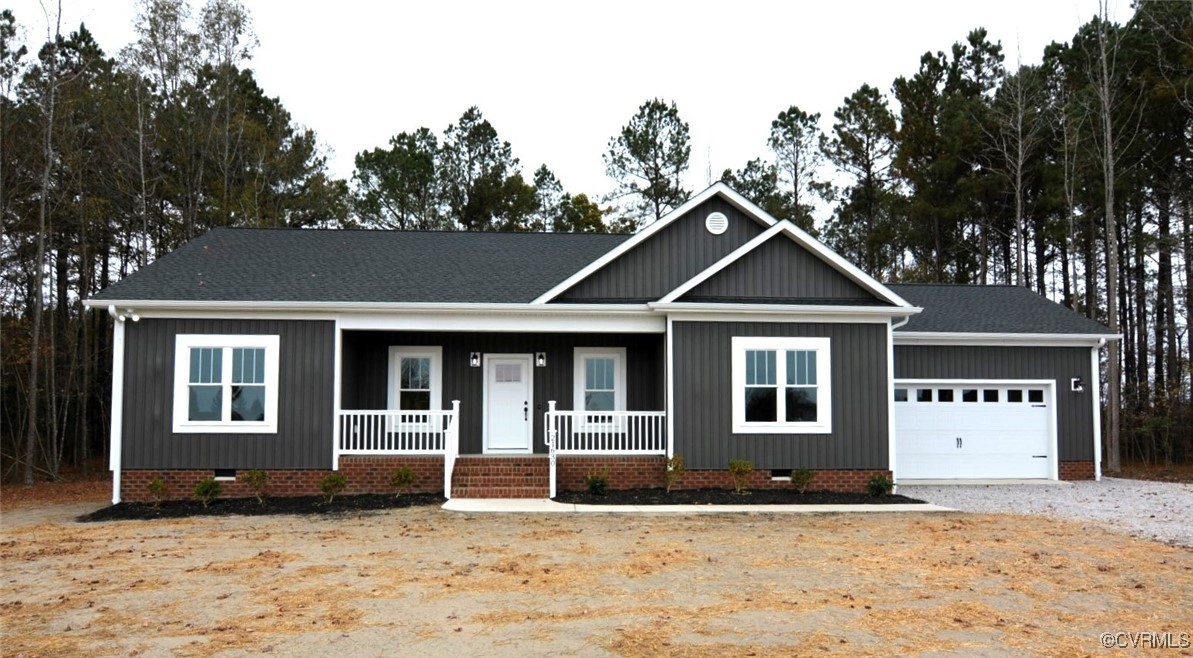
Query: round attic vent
[[716, 223]]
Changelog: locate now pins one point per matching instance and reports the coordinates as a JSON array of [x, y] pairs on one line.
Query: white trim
[[336, 394], [590, 322], [116, 441], [738, 201], [485, 403], [797, 235], [890, 396], [1095, 385], [670, 384], [1049, 384], [183, 343], [579, 374], [780, 344], [432, 352], [795, 312], [358, 307], [999, 339]]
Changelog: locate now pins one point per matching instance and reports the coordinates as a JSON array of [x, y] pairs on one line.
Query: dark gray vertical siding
[[306, 372], [1074, 411], [668, 258], [364, 382], [780, 269], [703, 415]]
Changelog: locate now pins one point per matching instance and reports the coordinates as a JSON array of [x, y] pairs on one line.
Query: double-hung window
[[415, 376], [225, 384], [781, 385], [599, 383]]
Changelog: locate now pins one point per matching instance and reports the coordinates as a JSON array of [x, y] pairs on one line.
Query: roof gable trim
[[801, 238], [724, 191]]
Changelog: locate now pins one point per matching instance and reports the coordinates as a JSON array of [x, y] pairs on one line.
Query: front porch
[[504, 410]]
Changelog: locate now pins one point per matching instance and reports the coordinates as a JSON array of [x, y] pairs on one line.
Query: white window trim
[[435, 354], [824, 384], [619, 376], [183, 343]]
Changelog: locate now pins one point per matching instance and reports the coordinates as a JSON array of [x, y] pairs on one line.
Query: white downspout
[[1096, 386]]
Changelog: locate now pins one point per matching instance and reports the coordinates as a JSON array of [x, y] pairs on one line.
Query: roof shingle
[[989, 309]]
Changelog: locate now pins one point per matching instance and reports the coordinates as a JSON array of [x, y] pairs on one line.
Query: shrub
[[879, 485], [332, 484], [256, 480], [739, 472], [675, 470], [800, 479], [597, 482], [158, 489], [207, 491], [401, 479]]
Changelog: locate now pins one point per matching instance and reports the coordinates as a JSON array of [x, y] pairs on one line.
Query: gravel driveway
[[1154, 510]]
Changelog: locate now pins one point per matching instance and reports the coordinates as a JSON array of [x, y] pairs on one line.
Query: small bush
[[675, 470], [332, 484], [597, 482], [800, 479], [879, 485], [739, 472], [256, 480], [158, 489], [207, 491], [401, 479]]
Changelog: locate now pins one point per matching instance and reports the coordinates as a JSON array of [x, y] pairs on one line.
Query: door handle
[[525, 411], [959, 442]]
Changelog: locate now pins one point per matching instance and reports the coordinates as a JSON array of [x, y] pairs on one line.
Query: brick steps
[[501, 477]]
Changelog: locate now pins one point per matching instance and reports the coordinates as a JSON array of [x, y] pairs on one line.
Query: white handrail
[[608, 432], [384, 432], [549, 425]]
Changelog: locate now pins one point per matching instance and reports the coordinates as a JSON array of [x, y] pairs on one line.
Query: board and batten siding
[[703, 414], [366, 369], [306, 372], [779, 270], [1074, 411], [668, 258]]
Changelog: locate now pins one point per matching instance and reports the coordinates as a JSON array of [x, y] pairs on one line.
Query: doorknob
[[525, 411]]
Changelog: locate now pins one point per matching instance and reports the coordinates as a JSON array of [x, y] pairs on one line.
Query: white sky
[[558, 79]]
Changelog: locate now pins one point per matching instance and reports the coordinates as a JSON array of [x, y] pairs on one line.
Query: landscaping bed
[[296, 505], [727, 497]]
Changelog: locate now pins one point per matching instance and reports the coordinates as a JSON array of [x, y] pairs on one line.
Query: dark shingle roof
[[303, 265], [989, 309]]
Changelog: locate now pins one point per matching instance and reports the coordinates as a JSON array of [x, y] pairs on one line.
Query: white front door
[[508, 404]]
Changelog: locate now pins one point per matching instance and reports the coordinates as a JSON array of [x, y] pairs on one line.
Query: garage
[[952, 429]]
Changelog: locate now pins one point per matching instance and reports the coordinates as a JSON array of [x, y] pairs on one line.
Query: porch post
[[338, 360], [552, 433]]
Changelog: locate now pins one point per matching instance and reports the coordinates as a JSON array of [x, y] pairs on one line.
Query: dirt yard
[[427, 582]]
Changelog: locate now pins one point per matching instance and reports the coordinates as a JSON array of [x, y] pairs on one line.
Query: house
[[512, 364]]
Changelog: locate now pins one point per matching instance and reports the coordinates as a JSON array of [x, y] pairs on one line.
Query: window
[[600, 379], [415, 374], [900, 395], [781, 386], [225, 384]]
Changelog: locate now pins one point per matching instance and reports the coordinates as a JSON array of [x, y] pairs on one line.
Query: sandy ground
[[428, 582]]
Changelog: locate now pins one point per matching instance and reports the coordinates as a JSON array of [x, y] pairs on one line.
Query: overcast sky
[[558, 79]]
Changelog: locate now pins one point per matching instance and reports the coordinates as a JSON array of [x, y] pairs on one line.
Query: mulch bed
[[727, 497], [297, 505]]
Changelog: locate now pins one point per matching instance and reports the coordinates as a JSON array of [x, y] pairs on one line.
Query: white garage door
[[950, 429]]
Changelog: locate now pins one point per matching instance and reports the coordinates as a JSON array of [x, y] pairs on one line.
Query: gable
[[779, 271], [666, 259]]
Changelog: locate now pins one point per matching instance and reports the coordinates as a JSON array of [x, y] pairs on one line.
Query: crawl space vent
[[716, 223]]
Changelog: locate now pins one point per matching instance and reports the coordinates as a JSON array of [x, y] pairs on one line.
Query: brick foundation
[[636, 472], [364, 474], [1077, 470], [822, 480]]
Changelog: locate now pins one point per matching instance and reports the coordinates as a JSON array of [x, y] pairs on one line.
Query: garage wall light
[[1076, 385]]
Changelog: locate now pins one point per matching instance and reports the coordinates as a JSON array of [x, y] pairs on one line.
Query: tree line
[[1071, 177]]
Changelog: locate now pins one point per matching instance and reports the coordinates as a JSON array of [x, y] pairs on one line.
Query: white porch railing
[[403, 433], [603, 433]]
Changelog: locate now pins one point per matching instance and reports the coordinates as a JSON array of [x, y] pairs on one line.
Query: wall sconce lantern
[[540, 359], [1076, 385], [474, 359]]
